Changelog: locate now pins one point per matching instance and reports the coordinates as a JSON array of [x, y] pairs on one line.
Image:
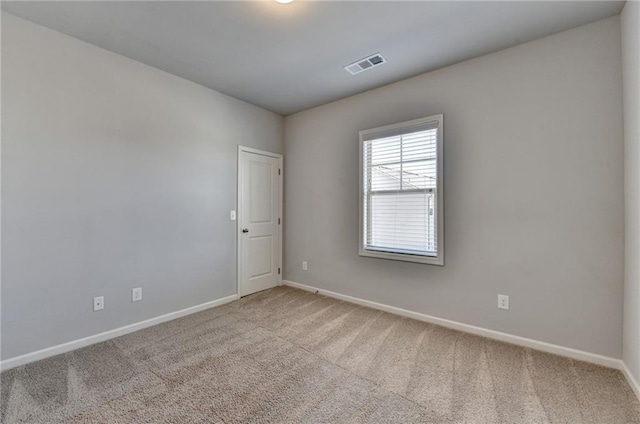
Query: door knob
[[245, 230]]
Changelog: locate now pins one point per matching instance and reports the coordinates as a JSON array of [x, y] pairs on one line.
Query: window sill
[[404, 257]]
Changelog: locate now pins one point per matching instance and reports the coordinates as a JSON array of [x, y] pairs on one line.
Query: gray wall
[[631, 81], [533, 191], [114, 175]]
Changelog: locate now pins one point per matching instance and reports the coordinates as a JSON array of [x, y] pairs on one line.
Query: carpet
[[290, 356]]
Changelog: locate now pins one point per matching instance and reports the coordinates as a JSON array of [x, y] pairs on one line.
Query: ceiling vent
[[366, 63]]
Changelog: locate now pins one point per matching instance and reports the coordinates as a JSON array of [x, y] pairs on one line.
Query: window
[[401, 191]]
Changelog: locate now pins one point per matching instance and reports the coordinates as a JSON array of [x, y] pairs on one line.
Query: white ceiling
[[290, 57]]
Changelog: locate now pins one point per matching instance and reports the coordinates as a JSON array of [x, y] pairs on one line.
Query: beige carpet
[[288, 356]]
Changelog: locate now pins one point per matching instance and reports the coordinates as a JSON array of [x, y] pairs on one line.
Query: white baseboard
[[580, 355], [491, 334], [101, 337], [630, 378], [568, 352]]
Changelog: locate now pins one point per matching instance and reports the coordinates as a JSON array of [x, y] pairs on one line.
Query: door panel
[[259, 222], [261, 254], [261, 189]]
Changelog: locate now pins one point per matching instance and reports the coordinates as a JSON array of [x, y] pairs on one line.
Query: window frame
[[397, 129]]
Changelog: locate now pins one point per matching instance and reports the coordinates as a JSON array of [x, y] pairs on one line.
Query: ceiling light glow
[[284, 1]]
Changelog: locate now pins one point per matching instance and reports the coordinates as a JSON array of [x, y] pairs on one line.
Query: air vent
[[366, 63]]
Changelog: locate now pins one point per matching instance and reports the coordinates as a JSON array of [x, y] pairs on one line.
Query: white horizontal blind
[[400, 191]]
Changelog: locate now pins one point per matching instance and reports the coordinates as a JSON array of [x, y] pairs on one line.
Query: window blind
[[400, 186]]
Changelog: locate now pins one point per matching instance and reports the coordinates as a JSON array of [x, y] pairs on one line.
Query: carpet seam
[[527, 363]]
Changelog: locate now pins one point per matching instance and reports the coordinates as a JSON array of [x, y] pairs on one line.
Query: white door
[[259, 221]]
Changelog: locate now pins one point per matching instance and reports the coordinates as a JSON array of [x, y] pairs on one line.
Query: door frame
[[278, 156]]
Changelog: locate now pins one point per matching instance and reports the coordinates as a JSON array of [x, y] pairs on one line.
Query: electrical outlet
[[304, 265], [136, 294], [98, 303], [232, 215], [503, 301]]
